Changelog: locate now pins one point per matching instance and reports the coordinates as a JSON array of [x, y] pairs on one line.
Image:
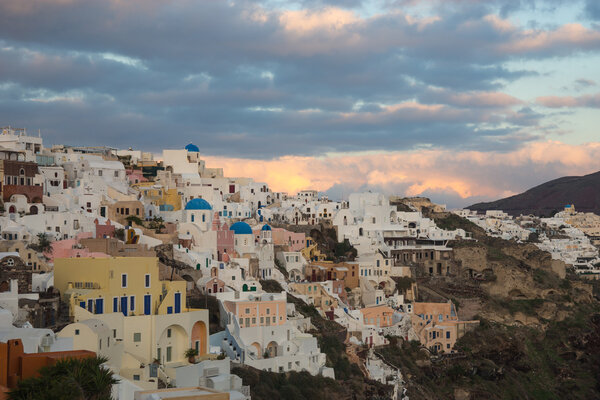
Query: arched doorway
[[199, 337], [12, 210], [257, 350], [172, 344], [272, 349], [33, 210]]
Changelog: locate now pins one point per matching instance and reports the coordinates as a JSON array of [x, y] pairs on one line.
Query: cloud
[[266, 79], [458, 176], [591, 101]]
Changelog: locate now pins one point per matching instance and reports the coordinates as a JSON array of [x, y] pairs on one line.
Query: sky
[[458, 100]]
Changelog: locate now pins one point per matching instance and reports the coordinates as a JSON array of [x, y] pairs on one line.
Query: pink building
[[104, 231], [282, 237], [258, 313], [225, 241], [135, 176], [70, 248]]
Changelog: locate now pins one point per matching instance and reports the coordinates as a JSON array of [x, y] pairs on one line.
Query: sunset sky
[[459, 100]]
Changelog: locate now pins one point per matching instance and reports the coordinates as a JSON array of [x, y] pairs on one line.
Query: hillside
[[550, 197], [538, 337]]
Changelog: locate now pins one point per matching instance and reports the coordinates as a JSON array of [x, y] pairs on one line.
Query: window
[[448, 335], [100, 172], [114, 333], [262, 320], [77, 332], [116, 174], [136, 377], [137, 337], [253, 320], [147, 280], [268, 311], [169, 351], [132, 303], [274, 319], [123, 280], [169, 332], [247, 311]]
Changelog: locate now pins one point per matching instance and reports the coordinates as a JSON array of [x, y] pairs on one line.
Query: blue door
[[177, 303], [124, 305], [147, 304], [99, 306]]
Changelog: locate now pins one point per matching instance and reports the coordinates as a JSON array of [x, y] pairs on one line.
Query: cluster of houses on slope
[[105, 250], [569, 236]]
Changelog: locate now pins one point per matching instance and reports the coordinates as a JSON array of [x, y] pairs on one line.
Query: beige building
[[188, 393]]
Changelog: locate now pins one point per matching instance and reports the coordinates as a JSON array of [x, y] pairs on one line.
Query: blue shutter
[[132, 303], [82, 304], [177, 303], [115, 304], [147, 304], [169, 310], [124, 305]]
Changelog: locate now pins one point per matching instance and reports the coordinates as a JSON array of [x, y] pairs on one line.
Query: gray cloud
[[245, 81]]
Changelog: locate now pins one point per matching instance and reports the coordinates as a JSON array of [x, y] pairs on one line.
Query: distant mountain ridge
[[552, 196]]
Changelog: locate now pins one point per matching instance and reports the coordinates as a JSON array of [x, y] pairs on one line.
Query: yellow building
[[318, 295], [129, 285], [311, 251], [166, 199], [146, 316]]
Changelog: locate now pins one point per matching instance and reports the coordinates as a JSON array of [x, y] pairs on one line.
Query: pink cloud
[[591, 100], [465, 173], [485, 99], [567, 36]]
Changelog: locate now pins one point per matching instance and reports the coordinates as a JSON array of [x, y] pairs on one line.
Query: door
[[147, 304], [99, 306], [124, 305], [90, 305], [177, 303]]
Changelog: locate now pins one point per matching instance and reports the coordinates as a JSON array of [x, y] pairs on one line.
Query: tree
[[44, 244], [68, 379]]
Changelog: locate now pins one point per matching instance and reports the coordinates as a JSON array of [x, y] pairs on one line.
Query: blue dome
[[193, 148], [266, 228], [241, 228], [198, 204]]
